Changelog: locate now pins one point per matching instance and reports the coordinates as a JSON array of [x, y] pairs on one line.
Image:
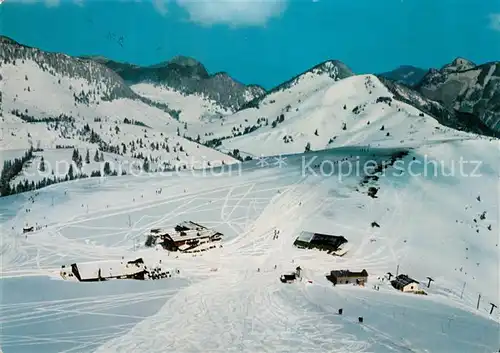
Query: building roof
[[402, 281], [184, 247], [156, 232], [305, 236], [321, 239], [328, 240], [189, 225], [347, 273], [185, 230], [193, 234], [111, 268]]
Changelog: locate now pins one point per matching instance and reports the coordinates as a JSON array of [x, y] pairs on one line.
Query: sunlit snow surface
[[426, 226]]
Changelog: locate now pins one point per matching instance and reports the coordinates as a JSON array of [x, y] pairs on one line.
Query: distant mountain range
[[177, 115], [461, 94]]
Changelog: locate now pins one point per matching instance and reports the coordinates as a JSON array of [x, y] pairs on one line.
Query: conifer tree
[[41, 167]]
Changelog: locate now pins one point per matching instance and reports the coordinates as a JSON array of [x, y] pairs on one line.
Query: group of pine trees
[[11, 168], [31, 119], [25, 185], [77, 158], [278, 120], [134, 122]]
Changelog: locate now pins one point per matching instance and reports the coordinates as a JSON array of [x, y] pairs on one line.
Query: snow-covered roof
[[193, 234], [402, 281], [305, 236], [184, 247], [191, 225], [113, 268], [194, 231], [160, 231]]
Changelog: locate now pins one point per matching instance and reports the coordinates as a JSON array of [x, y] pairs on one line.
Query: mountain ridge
[[332, 67], [189, 73], [188, 79], [466, 88]]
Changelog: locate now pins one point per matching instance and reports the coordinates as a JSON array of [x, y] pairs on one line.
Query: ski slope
[[192, 107], [42, 94], [430, 225]]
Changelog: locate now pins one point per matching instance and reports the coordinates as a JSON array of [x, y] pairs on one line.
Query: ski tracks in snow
[[241, 309]]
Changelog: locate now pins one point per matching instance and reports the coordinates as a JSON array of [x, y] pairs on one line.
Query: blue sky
[[262, 41]]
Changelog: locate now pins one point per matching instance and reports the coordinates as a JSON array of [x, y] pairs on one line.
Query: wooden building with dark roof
[[405, 284], [348, 277]]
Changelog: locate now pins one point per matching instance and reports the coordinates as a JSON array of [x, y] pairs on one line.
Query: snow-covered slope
[[436, 219], [191, 107], [52, 100], [319, 112]]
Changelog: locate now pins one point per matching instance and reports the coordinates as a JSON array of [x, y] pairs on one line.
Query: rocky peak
[[334, 68], [467, 88], [184, 66], [405, 74], [459, 64], [182, 60]]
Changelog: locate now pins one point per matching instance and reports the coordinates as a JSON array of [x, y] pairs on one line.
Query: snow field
[[238, 307]]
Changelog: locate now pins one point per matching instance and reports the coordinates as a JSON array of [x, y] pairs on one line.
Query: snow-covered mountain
[[467, 88], [405, 74], [54, 101], [186, 77], [445, 115], [319, 110]]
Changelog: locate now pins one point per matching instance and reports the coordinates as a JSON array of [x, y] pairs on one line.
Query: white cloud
[[48, 3], [495, 21], [209, 12], [233, 12], [160, 6]]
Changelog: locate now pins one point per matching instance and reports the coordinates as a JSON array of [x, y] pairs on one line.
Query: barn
[[334, 244], [348, 277], [405, 284], [96, 272]]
